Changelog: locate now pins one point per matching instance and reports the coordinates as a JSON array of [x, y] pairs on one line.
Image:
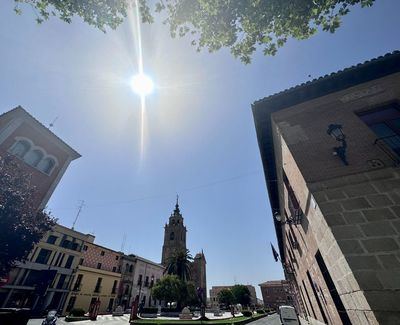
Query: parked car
[[288, 315]]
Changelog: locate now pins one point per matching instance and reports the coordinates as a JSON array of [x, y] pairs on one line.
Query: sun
[[142, 84]]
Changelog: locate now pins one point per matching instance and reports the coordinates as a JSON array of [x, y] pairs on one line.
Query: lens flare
[[142, 84]]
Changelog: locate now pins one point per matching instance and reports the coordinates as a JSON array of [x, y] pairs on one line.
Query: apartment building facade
[[97, 278], [215, 290], [276, 293], [42, 282]]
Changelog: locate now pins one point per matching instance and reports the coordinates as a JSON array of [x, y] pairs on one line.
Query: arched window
[[46, 165], [172, 236], [33, 157], [131, 268], [20, 148], [127, 267]]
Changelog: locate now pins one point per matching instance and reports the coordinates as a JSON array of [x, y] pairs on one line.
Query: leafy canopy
[[226, 297], [179, 264], [167, 289], [242, 26], [101, 14], [242, 294], [21, 224], [172, 289]]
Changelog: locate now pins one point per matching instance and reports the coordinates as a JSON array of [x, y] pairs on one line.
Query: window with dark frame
[[332, 289], [69, 261], [78, 283], [98, 285], [385, 123], [43, 256], [52, 239], [61, 281], [114, 288]]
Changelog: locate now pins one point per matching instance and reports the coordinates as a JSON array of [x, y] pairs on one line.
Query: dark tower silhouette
[[174, 234]]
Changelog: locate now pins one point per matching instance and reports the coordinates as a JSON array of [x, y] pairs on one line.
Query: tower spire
[[177, 204]]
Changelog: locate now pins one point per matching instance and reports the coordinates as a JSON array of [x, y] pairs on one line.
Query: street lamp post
[[336, 131]]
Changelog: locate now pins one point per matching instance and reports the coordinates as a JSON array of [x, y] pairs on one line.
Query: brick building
[[40, 152], [330, 151], [97, 277], [41, 281], [276, 293], [215, 290]]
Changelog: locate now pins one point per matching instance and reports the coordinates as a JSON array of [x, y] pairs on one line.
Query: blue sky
[[200, 137]]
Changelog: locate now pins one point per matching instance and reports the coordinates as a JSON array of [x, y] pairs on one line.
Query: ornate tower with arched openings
[[174, 234]]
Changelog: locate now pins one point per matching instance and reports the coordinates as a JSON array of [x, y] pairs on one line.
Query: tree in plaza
[[189, 294], [172, 289], [21, 224], [241, 26], [167, 289], [242, 294], [179, 264], [226, 297]]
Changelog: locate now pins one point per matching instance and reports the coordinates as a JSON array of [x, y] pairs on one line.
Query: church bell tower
[[174, 234]]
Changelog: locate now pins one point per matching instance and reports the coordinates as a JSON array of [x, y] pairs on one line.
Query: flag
[[276, 255]]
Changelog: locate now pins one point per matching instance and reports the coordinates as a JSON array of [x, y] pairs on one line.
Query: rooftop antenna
[[52, 123], [79, 212], [123, 243]]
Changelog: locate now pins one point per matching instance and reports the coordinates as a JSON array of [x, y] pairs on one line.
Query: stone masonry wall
[[352, 213], [363, 213], [313, 235]]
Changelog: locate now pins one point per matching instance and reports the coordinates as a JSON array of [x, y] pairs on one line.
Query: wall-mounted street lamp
[[279, 218], [336, 131]]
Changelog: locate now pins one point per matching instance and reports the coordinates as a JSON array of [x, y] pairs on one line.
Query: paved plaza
[[101, 320], [124, 320]]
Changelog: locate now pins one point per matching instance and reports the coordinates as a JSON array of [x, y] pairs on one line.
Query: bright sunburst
[[142, 84]]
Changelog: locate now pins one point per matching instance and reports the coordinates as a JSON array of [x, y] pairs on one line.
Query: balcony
[[295, 244], [296, 213], [288, 268], [390, 145]]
